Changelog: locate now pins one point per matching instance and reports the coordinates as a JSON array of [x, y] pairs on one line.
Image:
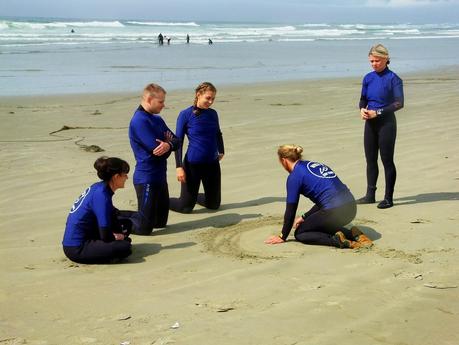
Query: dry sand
[[209, 273]]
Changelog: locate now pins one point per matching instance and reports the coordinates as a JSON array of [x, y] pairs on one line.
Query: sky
[[279, 11]]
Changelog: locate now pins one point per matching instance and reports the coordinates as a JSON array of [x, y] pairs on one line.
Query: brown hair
[[200, 89], [291, 152]]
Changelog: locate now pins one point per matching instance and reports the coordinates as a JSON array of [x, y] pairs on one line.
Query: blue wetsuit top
[[382, 92], [144, 129], [317, 182], [205, 140], [90, 216]]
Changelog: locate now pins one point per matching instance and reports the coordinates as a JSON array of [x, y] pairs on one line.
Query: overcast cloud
[[312, 11]]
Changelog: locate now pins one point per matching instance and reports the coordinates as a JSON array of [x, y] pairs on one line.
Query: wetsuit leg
[[161, 206], [320, 225], [211, 181], [98, 251], [387, 136], [189, 189], [153, 207], [371, 146]]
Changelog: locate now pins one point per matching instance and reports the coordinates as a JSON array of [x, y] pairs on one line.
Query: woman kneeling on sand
[[334, 205], [93, 233]]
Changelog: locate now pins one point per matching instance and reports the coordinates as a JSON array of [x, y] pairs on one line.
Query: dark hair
[[200, 89], [108, 166]]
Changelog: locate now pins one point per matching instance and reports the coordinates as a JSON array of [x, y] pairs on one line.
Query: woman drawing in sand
[[334, 205]]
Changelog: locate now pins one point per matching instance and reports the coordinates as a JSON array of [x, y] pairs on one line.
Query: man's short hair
[[153, 90]]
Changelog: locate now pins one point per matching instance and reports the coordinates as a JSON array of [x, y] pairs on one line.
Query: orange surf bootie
[[343, 242], [360, 237]]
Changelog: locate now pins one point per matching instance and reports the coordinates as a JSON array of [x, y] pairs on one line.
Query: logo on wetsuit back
[[79, 201], [320, 170]]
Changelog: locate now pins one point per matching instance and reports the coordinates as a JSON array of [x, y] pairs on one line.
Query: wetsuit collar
[[384, 71], [141, 108], [107, 187]]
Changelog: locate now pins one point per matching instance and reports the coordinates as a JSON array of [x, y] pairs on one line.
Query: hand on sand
[[274, 240]]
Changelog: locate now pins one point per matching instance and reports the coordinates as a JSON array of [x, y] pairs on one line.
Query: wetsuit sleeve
[[289, 218], [175, 141], [144, 135], [104, 211], [397, 91], [220, 144], [363, 95], [293, 198], [180, 132]]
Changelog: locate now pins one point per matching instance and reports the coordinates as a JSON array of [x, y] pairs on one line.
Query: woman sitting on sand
[[205, 150], [334, 205], [93, 233]]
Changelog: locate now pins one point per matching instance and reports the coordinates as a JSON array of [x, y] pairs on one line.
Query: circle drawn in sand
[[245, 240]]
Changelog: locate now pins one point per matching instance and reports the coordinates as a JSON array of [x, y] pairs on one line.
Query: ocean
[[50, 56]]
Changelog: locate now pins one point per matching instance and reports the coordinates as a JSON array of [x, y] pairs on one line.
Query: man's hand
[[162, 148]]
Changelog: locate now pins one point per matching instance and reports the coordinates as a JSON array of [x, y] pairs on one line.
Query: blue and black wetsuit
[[382, 92], [150, 180], [201, 163], [88, 236], [334, 204]]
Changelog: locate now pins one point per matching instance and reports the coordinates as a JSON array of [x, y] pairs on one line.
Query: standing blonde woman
[[382, 95], [334, 205], [200, 124]]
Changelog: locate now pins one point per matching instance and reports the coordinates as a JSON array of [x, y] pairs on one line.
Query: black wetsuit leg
[[153, 207], [387, 136], [98, 251], [189, 190], [380, 135], [320, 225], [211, 181], [210, 175]]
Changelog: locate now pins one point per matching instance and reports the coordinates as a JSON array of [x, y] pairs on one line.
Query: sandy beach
[[208, 278]]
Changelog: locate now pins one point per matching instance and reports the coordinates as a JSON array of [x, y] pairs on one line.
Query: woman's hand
[[181, 175], [367, 114], [274, 240], [297, 222], [162, 148], [118, 236]]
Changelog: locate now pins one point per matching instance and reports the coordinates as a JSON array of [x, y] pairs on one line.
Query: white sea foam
[[162, 23], [52, 31]]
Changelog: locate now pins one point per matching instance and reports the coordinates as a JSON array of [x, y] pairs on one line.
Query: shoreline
[[440, 72]]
